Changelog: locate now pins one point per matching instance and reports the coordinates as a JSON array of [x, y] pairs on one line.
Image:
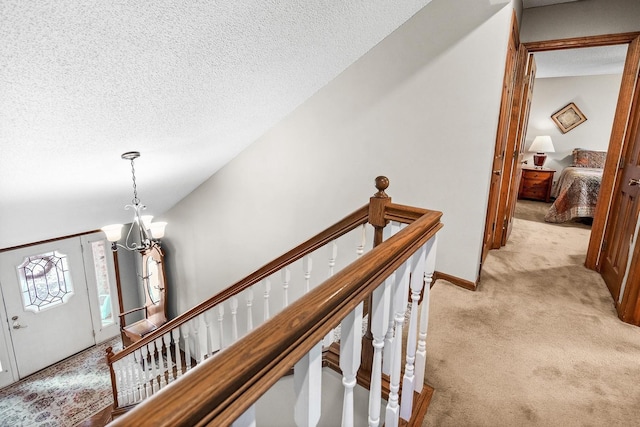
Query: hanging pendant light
[[147, 231]]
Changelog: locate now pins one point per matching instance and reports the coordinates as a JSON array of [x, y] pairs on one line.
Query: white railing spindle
[[233, 302], [221, 325], [197, 353], [408, 383], [208, 332], [387, 354], [350, 351], [176, 347], [333, 255], [421, 352], [249, 299], [400, 295], [286, 278], [379, 322], [146, 373], [307, 383], [363, 241], [267, 291], [187, 346], [306, 268]]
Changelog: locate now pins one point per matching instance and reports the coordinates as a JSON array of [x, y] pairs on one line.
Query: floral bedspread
[[576, 194]]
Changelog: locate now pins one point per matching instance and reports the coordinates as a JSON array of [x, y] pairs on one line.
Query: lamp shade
[[146, 221], [113, 232], [157, 229], [542, 144]]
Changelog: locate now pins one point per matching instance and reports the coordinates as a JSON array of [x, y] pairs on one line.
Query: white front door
[[47, 303]]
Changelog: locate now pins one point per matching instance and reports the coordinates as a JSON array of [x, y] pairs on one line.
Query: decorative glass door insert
[[45, 281]]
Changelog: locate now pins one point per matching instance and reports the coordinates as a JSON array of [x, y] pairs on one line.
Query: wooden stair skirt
[[367, 321]]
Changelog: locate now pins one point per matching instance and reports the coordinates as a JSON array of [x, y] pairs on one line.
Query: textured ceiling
[[581, 62], [189, 84]]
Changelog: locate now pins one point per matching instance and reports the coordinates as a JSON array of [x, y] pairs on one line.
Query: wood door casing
[[501, 140]]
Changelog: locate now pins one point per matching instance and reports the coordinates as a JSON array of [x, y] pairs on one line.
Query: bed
[[576, 191]]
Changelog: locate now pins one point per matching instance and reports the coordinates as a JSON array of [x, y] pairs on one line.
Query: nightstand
[[536, 184]]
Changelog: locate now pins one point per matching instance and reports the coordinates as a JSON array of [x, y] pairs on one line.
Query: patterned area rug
[[64, 394]]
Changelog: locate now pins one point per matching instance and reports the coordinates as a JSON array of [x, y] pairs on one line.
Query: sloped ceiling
[[188, 84]]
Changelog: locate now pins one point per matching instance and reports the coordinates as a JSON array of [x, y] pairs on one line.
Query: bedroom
[[570, 178]]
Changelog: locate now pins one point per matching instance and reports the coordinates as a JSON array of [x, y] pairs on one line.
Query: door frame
[[619, 129], [617, 141]]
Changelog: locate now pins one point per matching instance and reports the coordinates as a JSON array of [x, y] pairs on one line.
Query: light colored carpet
[[64, 394], [538, 344]]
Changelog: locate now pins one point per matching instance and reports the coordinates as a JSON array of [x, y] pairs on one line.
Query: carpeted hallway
[[539, 342]]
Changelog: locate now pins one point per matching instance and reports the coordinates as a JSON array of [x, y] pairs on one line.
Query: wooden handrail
[[342, 227], [222, 388]]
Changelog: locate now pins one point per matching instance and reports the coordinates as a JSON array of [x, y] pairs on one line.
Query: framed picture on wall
[[568, 117]]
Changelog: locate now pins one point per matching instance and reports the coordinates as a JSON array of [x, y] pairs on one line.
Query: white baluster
[[130, 381], [233, 302], [195, 325], [286, 278], [363, 241], [267, 290], [221, 324], [387, 355], [139, 392], [155, 387], [162, 380], [388, 345], [170, 373], [307, 374], [249, 299], [333, 255], [307, 383], [209, 332], [117, 369], [187, 345], [421, 352], [408, 383], [146, 380], [400, 295], [306, 268], [248, 419], [379, 322], [176, 348], [124, 378], [350, 351]]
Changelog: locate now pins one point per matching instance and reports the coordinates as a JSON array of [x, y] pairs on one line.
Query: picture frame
[[568, 117]]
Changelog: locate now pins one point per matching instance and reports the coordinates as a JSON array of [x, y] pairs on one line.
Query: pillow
[[588, 158]]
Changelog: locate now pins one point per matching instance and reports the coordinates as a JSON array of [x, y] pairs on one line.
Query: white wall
[[595, 96], [421, 108], [581, 18]]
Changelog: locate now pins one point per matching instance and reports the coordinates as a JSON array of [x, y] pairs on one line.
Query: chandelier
[[147, 232]]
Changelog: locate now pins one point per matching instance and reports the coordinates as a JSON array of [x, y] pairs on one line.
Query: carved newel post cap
[[382, 183]]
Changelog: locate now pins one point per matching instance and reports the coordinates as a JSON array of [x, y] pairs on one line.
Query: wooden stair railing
[[223, 389], [148, 365]]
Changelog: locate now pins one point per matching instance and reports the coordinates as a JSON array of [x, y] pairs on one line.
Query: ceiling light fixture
[[148, 232]]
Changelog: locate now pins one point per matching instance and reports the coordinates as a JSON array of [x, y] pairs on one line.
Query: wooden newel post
[[377, 207], [110, 354]]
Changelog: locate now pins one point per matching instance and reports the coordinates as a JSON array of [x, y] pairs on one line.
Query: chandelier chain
[[135, 189]]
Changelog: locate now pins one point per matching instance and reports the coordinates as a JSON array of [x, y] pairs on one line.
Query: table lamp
[[540, 146]]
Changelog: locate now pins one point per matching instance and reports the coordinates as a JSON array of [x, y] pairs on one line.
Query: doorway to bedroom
[[612, 248], [569, 127]]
